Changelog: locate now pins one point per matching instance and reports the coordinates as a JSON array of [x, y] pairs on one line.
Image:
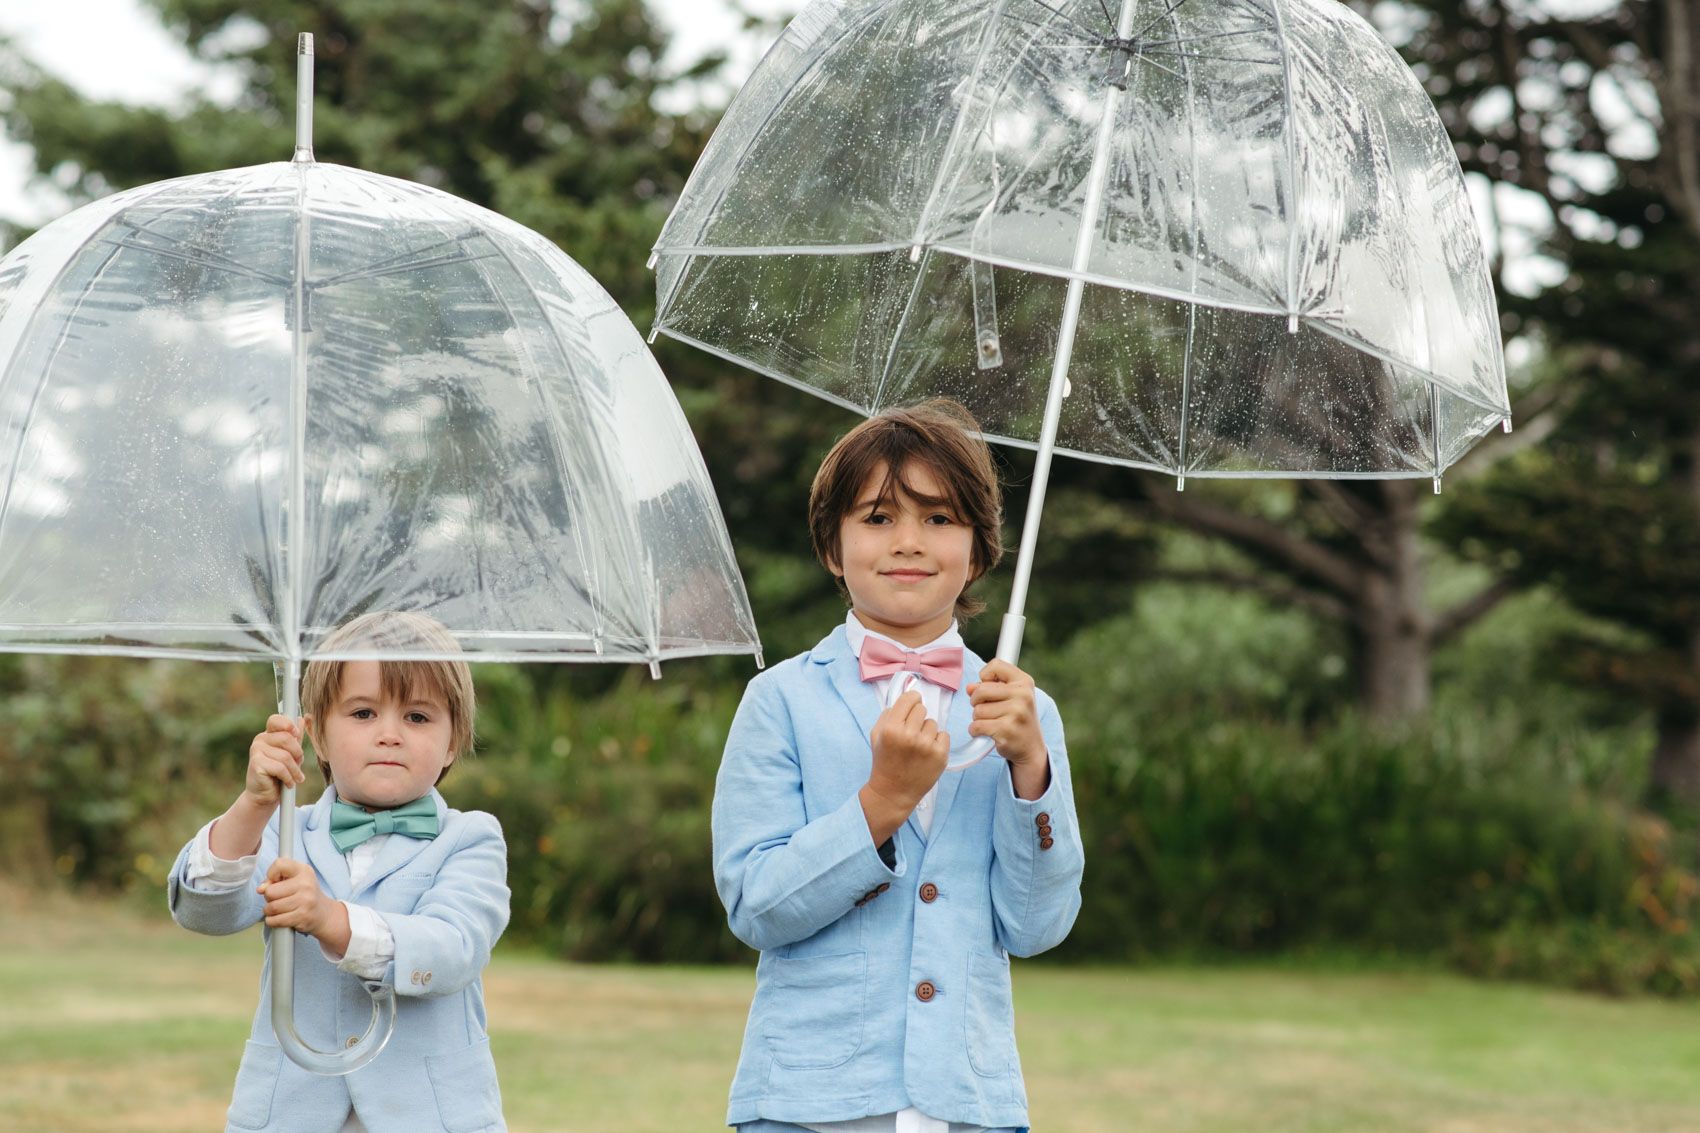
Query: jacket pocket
[[256, 1083], [990, 1018], [812, 1012], [464, 1082]]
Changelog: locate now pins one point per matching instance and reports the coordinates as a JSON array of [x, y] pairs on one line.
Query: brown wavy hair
[[941, 436]]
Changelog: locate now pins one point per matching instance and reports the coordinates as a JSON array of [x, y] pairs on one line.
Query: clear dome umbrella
[[1212, 238], [238, 409]]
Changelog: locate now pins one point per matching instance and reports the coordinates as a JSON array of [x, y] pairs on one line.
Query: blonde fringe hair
[[394, 631]]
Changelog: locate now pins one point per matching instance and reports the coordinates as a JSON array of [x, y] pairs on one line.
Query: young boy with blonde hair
[[395, 886]]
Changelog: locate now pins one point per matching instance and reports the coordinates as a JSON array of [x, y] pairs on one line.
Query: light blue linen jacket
[[446, 903], [838, 1028]]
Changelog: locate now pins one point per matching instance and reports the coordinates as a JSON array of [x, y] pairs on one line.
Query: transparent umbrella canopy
[[1211, 238], [239, 409]]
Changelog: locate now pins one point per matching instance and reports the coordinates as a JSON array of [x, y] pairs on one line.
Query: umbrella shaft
[[283, 942], [1009, 642], [1042, 463]]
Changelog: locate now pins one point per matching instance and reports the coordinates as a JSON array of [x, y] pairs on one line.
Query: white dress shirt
[[936, 701], [371, 945]]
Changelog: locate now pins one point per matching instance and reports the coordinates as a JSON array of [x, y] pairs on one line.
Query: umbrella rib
[[1213, 58], [1150, 62], [1167, 12], [189, 255], [597, 601], [408, 258], [1150, 43], [396, 269], [1068, 18]]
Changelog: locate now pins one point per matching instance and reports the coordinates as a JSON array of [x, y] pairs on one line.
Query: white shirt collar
[[858, 633]]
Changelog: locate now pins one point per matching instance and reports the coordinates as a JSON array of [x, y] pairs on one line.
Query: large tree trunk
[[1675, 775], [1392, 629]]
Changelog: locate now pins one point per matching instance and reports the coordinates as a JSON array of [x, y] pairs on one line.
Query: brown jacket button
[[883, 886], [1044, 831], [1047, 843], [1043, 819], [929, 893], [924, 991]]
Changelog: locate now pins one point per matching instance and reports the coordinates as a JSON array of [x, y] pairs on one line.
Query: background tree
[[1596, 117]]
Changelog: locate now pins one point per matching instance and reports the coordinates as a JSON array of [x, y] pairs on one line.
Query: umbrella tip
[[1506, 424], [1292, 323], [304, 97], [655, 670], [653, 333], [914, 253], [649, 264], [760, 664], [1180, 482], [1437, 485]]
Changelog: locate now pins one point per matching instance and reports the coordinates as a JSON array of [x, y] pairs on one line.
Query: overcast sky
[[116, 49]]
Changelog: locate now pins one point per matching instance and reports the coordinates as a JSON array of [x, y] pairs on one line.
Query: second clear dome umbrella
[[239, 409], [1201, 237]]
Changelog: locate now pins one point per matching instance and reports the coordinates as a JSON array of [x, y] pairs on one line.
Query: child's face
[[383, 753], [904, 562]]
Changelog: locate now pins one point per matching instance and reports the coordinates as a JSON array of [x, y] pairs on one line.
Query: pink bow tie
[[942, 664]]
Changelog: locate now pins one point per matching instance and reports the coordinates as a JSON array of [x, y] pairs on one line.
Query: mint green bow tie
[[351, 825]]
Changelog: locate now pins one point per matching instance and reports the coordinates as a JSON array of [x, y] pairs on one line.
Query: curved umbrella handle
[[331, 1063], [970, 753], [361, 1049]]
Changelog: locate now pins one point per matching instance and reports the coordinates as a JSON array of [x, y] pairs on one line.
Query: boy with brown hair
[[886, 895]]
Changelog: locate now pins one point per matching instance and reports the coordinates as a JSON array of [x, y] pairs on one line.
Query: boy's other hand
[[910, 753], [274, 762], [1006, 710], [293, 899]]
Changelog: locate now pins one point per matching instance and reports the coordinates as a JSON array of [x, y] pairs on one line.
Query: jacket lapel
[[320, 851], [858, 696], [399, 849]]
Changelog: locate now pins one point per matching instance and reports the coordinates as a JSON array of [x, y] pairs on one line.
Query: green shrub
[[1220, 818]]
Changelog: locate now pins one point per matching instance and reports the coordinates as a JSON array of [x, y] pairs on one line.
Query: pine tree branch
[[1277, 592], [1269, 541], [1358, 519], [1466, 613]]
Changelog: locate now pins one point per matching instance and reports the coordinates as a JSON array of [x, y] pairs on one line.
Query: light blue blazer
[[446, 902], [881, 988]]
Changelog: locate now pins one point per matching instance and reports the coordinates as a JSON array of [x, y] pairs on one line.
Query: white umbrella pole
[[1015, 620], [358, 1050]]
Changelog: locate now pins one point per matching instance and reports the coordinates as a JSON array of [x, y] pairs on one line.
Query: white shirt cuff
[[211, 874], [371, 945]]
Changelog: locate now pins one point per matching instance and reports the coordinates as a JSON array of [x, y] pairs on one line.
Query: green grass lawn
[[112, 1021]]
